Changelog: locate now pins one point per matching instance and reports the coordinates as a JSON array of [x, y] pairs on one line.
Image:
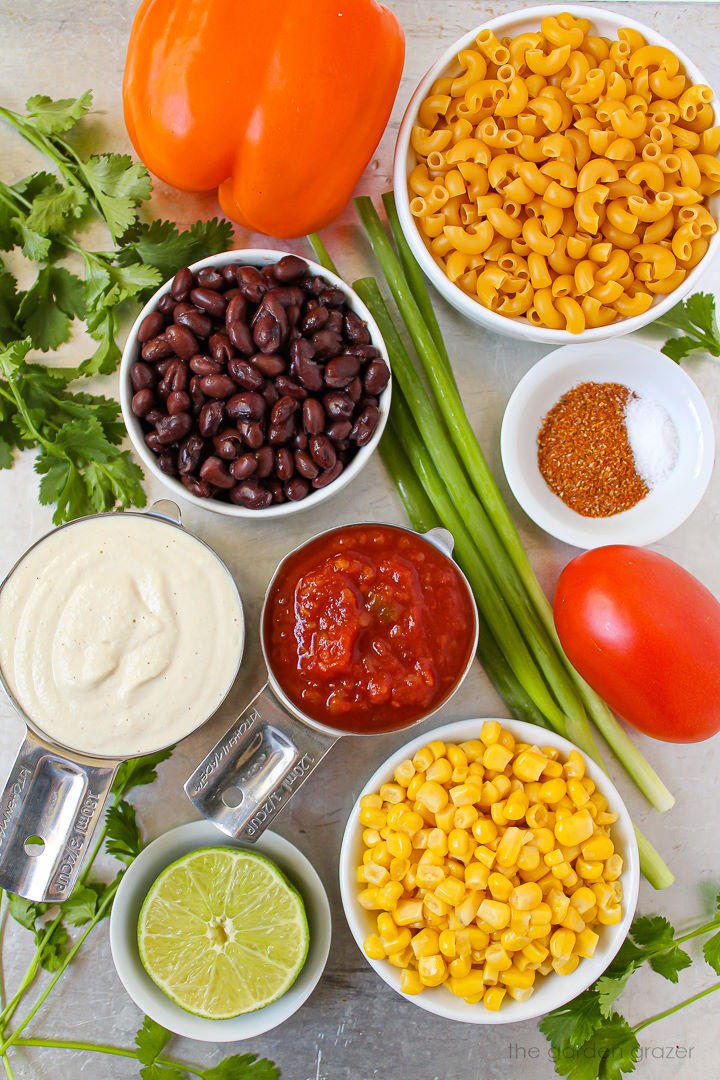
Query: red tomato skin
[[645, 634]]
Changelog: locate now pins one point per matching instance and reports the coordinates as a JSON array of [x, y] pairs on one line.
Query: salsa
[[368, 628]]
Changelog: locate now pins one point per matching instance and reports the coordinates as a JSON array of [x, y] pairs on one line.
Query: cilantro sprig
[[82, 466], [91, 902], [589, 1039], [696, 319]]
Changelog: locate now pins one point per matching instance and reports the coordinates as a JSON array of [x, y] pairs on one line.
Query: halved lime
[[223, 932]]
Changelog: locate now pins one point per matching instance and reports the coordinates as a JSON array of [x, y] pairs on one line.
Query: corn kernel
[[460, 966], [423, 759], [529, 858], [566, 965], [553, 858], [458, 842], [497, 757], [552, 791], [495, 913], [432, 970], [507, 739], [433, 905], [439, 772], [425, 942], [613, 868], [389, 894], [562, 944], [497, 812], [490, 974], [583, 899], [408, 911], [520, 922], [369, 898], [414, 786], [520, 993], [392, 793], [496, 955], [499, 886], [400, 959], [375, 874], [398, 869], [399, 845], [404, 772], [465, 817], [485, 830], [535, 952], [466, 911], [395, 812], [610, 916], [473, 749], [509, 846], [371, 837], [575, 829], [516, 806], [410, 822], [433, 796], [577, 792], [503, 785], [374, 947], [490, 732], [529, 764], [493, 997], [465, 794], [590, 871], [373, 818], [515, 976], [444, 818], [526, 896], [586, 943], [573, 920], [469, 985], [552, 770], [541, 915], [476, 875], [450, 890], [437, 748], [410, 982], [575, 765], [604, 818], [386, 926]]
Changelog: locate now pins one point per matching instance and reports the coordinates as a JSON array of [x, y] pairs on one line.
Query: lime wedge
[[223, 932]]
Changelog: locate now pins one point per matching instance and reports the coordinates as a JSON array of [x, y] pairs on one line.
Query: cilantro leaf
[[119, 185], [700, 309], [136, 772], [711, 952], [34, 246], [610, 1052], [569, 1026], [54, 117], [123, 834], [10, 300], [49, 306], [107, 355], [24, 911], [242, 1067], [80, 906], [656, 937], [163, 246], [695, 317], [150, 1039], [54, 950], [53, 207], [162, 1072], [609, 989]]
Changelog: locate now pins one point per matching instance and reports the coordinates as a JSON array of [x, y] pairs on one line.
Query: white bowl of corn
[[489, 871]]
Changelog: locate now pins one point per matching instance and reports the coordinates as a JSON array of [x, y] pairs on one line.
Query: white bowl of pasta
[[556, 174]]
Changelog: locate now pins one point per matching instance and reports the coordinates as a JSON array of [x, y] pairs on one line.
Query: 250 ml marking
[[280, 795]]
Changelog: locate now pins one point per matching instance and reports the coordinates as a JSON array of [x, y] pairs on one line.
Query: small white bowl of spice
[[607, 443]]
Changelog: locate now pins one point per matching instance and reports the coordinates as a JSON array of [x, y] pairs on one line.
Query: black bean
[[296, 489], [218, 386], [178, 402], [240, 336], [269, 324], [281, 433], [154, 415], [251, 283], [156, 349], [236, 310], [306, 371], [182, 283], [214, 471], [152, 325], [289, 268], [142, 401], [166, 305], [328, 476], [335, 322], [204, 365], [364, 427], [313, 416], [305, 465], [251, 494], [322, 451], [276, 490], [209, 301], [364, 352], [314, 319], [269, 364], [265, 460], [246, 406], [253, 433], [340, 371], [152, 441], [243, 466], [209, 277], [188, 315], [376, 377], [300, 440], [332, 297], [228, 444], [167, 462], [338, 405], [196, 395], [172, 429], [182, 341], [189, 454], [221, 349], [354, 389], [283, 408], [327, 343], [339, 430], [270, 394], [211, 418], [245, 374], [284, 463], [228, 275], [200, 488], [283, 385], [355, 329], [141, 375]]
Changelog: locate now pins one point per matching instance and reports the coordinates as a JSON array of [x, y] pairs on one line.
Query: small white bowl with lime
[[216, 940]]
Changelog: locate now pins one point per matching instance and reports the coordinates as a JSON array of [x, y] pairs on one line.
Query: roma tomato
[[645, 634]]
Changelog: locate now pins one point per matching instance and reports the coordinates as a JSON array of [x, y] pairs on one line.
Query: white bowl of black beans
[[255, 383]]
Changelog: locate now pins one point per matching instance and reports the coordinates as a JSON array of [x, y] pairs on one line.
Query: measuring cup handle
[[255, 768], [48, 813]]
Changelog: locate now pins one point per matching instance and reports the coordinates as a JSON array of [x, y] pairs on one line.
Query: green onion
[[448, 400]]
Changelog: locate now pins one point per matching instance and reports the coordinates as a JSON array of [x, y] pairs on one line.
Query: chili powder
[[584, 453]]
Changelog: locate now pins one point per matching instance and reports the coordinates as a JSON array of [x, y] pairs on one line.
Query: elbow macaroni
[[561, 177]]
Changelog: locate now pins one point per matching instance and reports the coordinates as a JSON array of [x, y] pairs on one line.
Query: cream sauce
[[119, 635]]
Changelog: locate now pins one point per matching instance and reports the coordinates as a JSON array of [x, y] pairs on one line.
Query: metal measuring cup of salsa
[[260, 762]]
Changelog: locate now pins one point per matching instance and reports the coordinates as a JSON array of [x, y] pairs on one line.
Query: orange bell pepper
[[278, 103]]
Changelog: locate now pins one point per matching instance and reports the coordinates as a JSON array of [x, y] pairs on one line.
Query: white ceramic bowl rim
[[519, 327], [654, 376], [552, 991], [132, 891], [252, 257]]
